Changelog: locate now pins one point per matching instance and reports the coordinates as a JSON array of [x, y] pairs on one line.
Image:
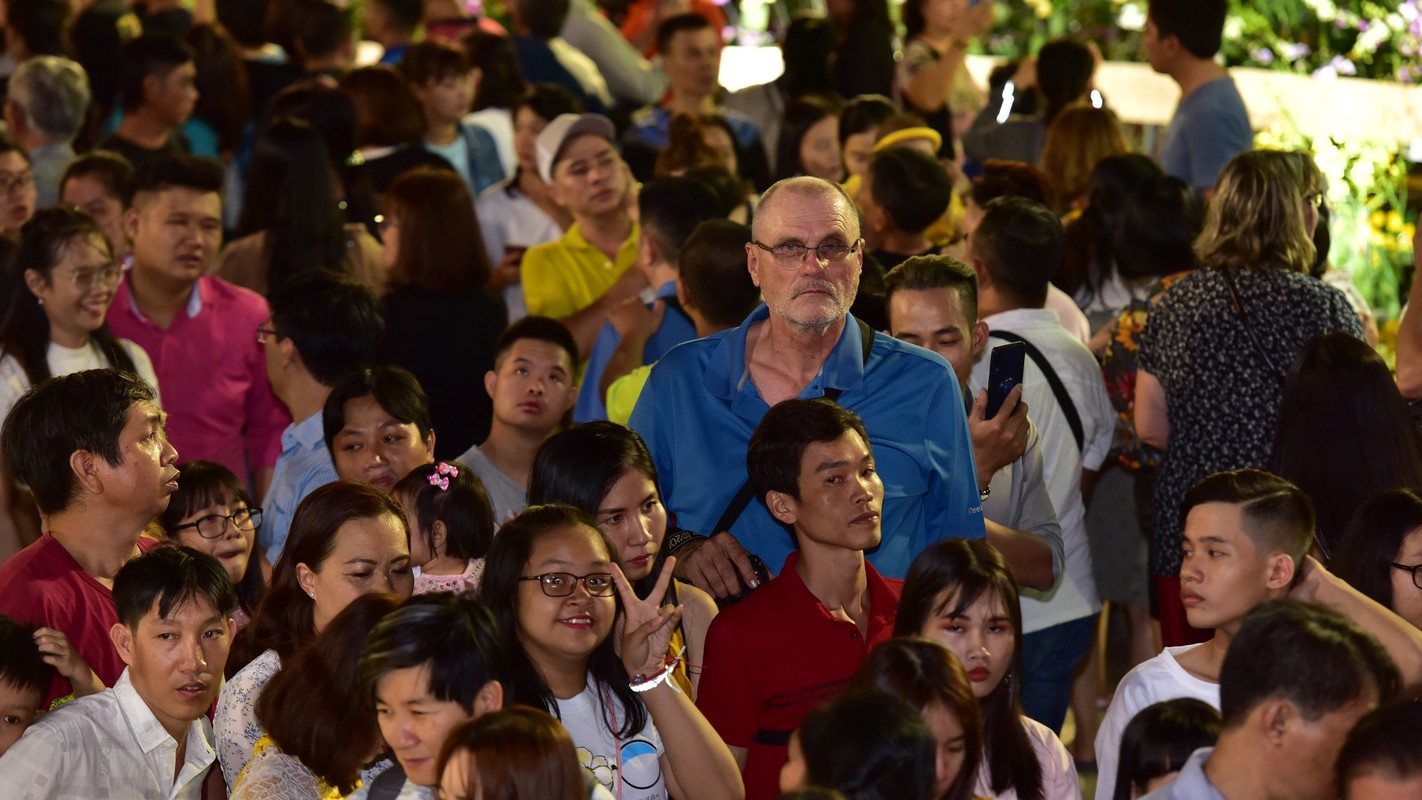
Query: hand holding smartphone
[[1004, 373]]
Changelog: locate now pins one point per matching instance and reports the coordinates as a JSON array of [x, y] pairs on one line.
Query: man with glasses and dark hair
[[705, 398], [323, 326]]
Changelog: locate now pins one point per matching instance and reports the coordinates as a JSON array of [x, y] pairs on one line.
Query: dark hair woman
[[291, 220], [438, 271], [347, 540]]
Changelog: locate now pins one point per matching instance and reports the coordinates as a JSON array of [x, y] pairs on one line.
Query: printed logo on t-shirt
[[641, 770]]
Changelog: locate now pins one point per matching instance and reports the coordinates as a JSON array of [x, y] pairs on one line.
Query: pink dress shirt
[[212, 374]]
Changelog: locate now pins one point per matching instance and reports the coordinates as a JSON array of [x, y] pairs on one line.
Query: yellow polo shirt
[[563, 277]]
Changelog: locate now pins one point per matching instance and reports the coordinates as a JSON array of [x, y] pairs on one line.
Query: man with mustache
[[148, 736], [92, 447], [704, 399]]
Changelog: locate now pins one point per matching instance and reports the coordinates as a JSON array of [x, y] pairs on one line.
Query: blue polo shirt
[[700, 407], [676, 328]]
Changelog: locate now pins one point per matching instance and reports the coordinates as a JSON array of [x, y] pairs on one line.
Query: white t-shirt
[[67, 361], [1154, 681], [1059, 780], [507, 218], [635, 762], [1074, 596]]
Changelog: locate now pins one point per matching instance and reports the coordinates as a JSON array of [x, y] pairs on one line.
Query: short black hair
[[1383, 743], [334, 321], [171, 575], [196, 173], [1198, 24], [395, 389], [21, 664], [1278, 516], [1159, 739], [911, 186], [455, 635], [542, 329], [321, 27], [81, 411], [406, 13], [148, 55], [778, 445], [926, 273], [863, 114], [41, 24], [670, 209], [1277, 637], [1020, 244], [713, 270], [1065, 67], [430, 62], [246, 20], [680, 23], [462, 504], [108, 168]]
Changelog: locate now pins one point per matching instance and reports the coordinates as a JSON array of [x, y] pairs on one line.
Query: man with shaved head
[[705, 398]]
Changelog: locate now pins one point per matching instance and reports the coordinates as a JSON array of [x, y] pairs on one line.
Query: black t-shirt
[[137, 154]]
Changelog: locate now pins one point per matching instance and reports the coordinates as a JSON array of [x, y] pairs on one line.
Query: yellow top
[[623, 393], [563, 277]]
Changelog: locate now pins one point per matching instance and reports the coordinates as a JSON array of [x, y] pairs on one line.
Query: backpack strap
[[1058, 388]]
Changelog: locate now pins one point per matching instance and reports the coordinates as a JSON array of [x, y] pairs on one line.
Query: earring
[[40, 299]]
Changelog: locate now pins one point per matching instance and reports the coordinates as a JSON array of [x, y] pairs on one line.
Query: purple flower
[[1343, 66], [1262, 55]]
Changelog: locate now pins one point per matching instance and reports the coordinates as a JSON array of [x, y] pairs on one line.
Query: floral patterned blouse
[[1118, 366]]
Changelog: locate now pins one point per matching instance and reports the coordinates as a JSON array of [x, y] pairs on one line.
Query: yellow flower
[[1394, 222], [1378, 220]]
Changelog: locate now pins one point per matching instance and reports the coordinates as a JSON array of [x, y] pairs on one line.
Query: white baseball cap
[[564, 129]]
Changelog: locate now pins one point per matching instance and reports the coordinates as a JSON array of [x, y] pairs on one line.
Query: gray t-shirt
[[1209, 128], [508, 497]]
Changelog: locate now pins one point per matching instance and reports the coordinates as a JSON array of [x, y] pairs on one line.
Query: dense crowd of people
[[511, 412]]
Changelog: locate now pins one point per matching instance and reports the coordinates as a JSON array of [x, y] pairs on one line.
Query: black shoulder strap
[[1058, 388], [738, 504]]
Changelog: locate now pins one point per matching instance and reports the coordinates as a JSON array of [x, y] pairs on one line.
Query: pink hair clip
[[440, 477]]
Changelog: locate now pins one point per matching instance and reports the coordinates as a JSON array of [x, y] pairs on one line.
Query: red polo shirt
[[774, 657], [44, 585]]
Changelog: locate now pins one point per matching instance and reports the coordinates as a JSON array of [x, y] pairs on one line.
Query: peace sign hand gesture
[[647, 625]]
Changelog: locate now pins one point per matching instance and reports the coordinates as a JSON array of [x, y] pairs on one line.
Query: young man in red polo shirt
[[795, 642]]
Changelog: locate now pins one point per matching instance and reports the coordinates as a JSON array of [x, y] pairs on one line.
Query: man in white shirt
[[147, 736], [1247, 535], [932, 301], [1014, 250]]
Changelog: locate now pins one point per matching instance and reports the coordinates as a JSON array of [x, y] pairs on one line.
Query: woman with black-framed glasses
[[212, 512], [1380, 553], [552, 581]]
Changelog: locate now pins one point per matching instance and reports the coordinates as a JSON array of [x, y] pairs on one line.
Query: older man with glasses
[[705, 398]]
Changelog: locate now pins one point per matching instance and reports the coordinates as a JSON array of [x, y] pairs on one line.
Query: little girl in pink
[[451, 526]]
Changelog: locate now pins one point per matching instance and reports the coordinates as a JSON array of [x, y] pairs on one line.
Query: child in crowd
[[865, 743], [961, 593], [552, 583], [1158, 742], [605, 470], [927, 676], [24, 676], [451, 526], [212, 512], [518, 752]]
